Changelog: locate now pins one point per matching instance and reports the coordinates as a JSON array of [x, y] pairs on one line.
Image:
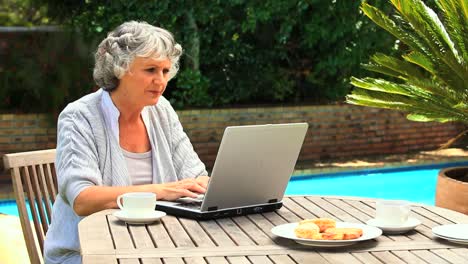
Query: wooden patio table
[[248, 239]]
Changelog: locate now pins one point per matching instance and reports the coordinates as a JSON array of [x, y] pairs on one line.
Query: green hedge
[[239, 52]]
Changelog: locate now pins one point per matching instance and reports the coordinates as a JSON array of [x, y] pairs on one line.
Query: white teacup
[[392, 212], [137, 204]]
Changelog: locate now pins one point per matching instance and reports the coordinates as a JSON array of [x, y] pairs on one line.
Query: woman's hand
[[183, 188], [203, 181], [97, 198]]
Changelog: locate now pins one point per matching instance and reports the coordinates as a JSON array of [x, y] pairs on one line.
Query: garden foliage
[[243, 52], [430, 80]]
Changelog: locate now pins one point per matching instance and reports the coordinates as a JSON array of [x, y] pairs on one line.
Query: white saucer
[[456, 233], [121, 215], [410, 224]]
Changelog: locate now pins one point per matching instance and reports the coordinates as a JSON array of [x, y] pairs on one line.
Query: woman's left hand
[[203, 181]]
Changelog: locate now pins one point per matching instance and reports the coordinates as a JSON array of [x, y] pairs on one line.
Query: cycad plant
[[429, 82]]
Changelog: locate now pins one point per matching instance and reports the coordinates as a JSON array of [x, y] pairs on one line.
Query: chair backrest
[[34, 183]]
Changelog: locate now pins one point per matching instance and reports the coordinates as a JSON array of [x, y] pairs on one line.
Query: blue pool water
[[9, 207], [415, 183]]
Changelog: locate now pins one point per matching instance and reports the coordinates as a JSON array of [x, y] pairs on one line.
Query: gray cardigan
[[90, 155]]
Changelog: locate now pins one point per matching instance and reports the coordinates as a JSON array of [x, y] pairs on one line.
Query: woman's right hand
[[184, 188], [97, 198]]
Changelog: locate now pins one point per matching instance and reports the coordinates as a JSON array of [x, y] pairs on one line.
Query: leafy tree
[[23, 13], [244, 52]]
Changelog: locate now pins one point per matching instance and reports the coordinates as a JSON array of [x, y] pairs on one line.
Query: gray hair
[[129, 40]]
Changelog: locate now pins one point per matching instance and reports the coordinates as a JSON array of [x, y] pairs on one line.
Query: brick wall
[[335, 132], [25, 132]]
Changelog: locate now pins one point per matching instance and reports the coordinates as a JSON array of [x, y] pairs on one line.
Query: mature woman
[[125, 137]]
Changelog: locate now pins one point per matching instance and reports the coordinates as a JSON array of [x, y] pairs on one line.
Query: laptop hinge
[[273, 201], [213, 208]]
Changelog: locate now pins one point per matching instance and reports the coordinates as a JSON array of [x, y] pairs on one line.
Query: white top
[[140, 167]]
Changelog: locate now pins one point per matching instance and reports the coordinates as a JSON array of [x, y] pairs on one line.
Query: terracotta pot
[[452, 189]]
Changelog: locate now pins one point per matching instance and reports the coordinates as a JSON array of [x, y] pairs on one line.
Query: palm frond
[[428, 26], [395, 67], [433, 75], [406, 97], [391, 26], [456, 16], [420, 60]]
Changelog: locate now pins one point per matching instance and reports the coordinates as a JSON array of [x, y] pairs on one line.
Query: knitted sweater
[[88, 154]]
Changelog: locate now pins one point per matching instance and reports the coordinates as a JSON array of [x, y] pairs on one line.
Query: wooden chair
[[35, 183]]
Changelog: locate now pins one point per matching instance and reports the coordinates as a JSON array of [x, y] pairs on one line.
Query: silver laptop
[[250, 174]]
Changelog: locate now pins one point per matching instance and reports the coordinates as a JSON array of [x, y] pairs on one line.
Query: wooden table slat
[[449, 256], [455, 217], [289, 216], [173, 261], [249, 240], [307, 257], [260, 259], [408, 257], [345, 258], [239, 260], [151, 261], [120, 234], [429, 257], [160, 236], [430, 215], [462, 252], [298, 209], [338, 213], [358, 214], [99, 259], [234, 232], [252, 230], [282, 259], [95, 235], [387, 257], [196, 232], [177, 232], [140, 236], [308, 209], [129, 261], [366, 257], [197, 260]]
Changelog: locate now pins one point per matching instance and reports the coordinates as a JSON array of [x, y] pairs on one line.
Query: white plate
[[454, 232], [458, 241], [139, 220], [287, 231], [410, 224]]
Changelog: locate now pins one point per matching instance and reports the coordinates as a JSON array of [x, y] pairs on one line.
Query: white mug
[[392, 212], [137, 204]]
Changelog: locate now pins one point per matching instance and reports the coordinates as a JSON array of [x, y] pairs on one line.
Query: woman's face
[[145, 81]]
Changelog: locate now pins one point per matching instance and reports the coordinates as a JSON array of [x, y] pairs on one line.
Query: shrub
[[245, 52]]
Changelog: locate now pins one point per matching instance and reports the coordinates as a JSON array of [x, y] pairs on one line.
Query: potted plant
[[429, 81]]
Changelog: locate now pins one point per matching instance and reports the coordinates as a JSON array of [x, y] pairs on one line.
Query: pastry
[[307, 230], [322, 223], [343, 233]]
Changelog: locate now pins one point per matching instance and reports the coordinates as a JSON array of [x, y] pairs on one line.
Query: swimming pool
[[412, 183]]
